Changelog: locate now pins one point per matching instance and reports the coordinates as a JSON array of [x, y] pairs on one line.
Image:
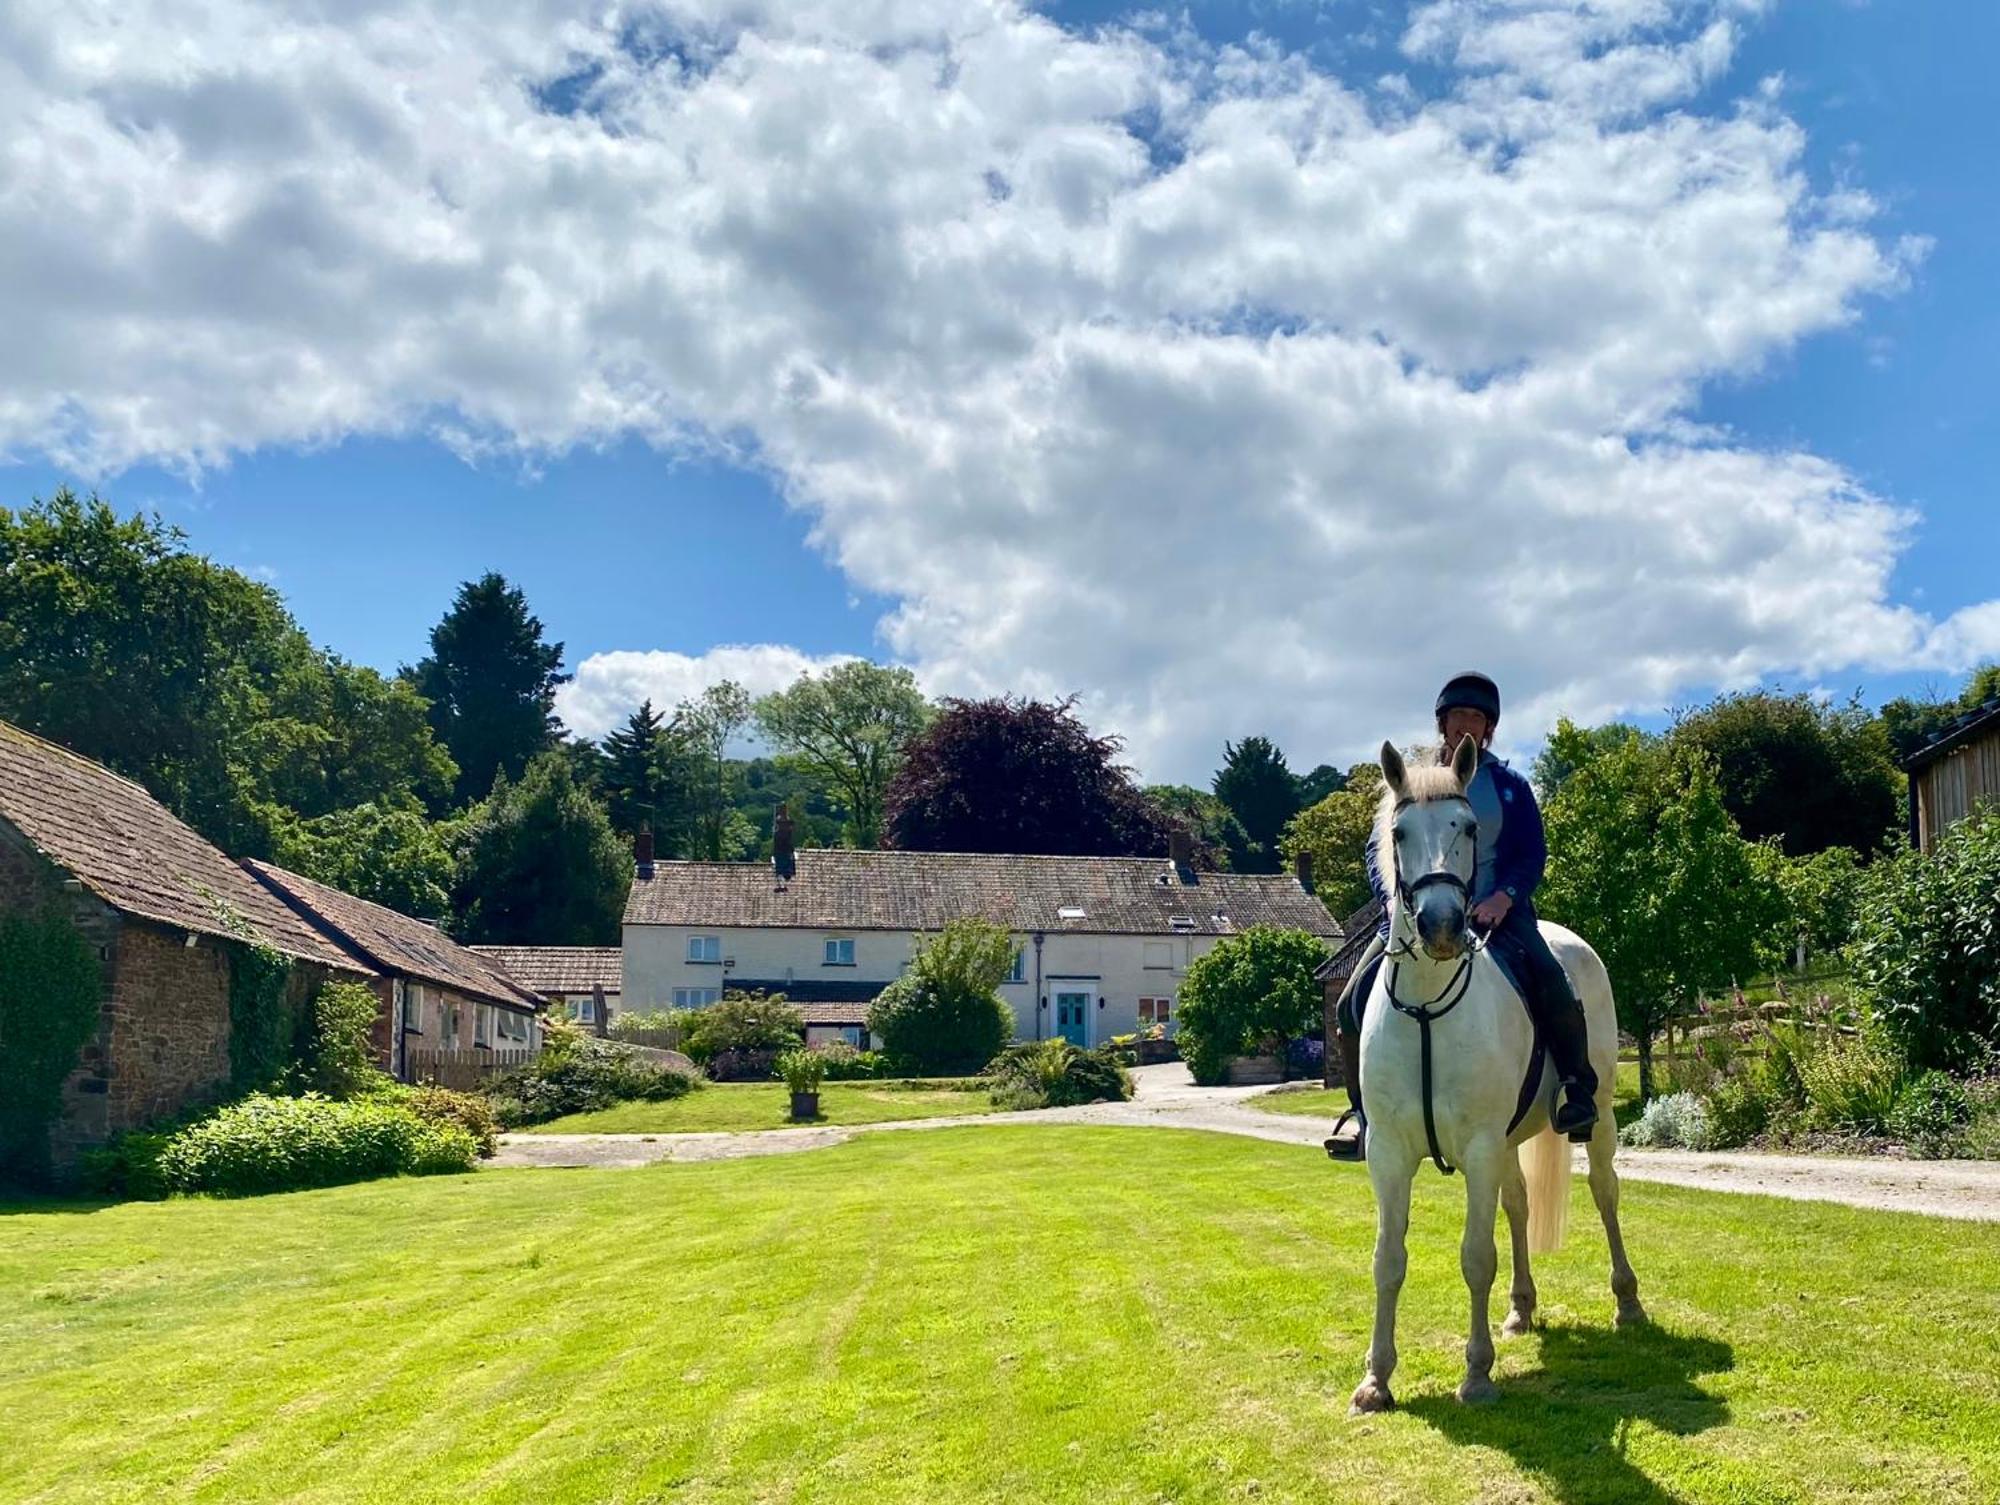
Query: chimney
[[642, 851], [1180, 847], [1302, 869], [782, 861]]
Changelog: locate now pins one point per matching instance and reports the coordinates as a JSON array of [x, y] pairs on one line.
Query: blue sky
[[624, 543]]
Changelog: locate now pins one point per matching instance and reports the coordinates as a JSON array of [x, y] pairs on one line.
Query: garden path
[[1167, 1098]]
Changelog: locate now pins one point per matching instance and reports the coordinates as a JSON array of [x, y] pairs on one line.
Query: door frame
[[1087, 991]]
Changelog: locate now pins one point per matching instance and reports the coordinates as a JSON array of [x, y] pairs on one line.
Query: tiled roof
[[1360, 927], [126, 848], [558, 969], [835, 1013], [872, 890], [394, 942], [1974, 723]]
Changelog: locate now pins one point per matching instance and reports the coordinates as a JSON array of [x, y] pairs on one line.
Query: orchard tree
[[539, 865], [491, 680], [1334, 833], [1646, 865], [847, 728], [1255, 783], [1018, 776]]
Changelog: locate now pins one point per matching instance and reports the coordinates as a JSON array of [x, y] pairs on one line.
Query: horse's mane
[[1425, 781]]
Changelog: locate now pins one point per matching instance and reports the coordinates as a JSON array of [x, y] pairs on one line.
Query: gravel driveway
[[1168, 1099]]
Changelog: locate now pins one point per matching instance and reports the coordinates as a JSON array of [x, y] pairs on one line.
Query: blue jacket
[[1519, 857]]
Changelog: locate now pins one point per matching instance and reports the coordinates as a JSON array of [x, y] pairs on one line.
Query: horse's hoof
[[1631, 1314], [1477, 1389], [1517, 1322], [1370, 1396]]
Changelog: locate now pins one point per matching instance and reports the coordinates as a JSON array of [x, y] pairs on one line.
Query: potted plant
[[803, 1071]]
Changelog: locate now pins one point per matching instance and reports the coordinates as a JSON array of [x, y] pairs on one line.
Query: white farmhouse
[[1101, 942]]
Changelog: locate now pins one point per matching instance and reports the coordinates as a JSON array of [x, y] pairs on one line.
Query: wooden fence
[[460, 1069], [666, 1038]]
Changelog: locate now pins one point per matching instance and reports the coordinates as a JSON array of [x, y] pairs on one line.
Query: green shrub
[[1926, 954], [1251, 988], [1931, 1116], [579, 1074], [945, 1014], [263, 1025], [269, 1144], [1982, 1135], [1851, 1083], [1738, 1111], [1055, 1074], [846, 1064], [465, 1110], [628, 1026], [336, 1054], [742, 1022], [802, 1069]]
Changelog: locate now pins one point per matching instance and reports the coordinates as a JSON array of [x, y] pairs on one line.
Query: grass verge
[[741, 1106], [1055, 1314]]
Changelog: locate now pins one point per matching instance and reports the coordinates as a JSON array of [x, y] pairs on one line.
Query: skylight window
[[1071, 912], [1181, 924]]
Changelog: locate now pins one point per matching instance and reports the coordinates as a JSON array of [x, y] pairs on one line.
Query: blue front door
[[1073, 1017]]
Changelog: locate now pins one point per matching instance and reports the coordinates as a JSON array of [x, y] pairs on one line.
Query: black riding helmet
[[1474, 692]]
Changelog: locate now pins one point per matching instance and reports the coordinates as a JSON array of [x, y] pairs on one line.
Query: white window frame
[[696, 998], [1162, 1010], [586, 1009], [412, 1014], [838, 951], [482, 1024], [1018, 970], [704, 950], [513, 1026]]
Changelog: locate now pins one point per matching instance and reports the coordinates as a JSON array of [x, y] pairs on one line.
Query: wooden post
[[597, 1009]]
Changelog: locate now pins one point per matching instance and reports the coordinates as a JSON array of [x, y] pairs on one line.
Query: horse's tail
[[1545, 1166]]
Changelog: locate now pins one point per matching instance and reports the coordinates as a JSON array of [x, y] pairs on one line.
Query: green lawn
[[767, 1105], [1317, 1102], [996, 1313]]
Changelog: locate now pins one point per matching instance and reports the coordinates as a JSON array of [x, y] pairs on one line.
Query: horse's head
[[1425, 837]]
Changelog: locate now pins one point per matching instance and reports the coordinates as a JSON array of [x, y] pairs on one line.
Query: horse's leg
[[1514, 1199], [1392, 1228], [1604, 1190], [1479, 1260]]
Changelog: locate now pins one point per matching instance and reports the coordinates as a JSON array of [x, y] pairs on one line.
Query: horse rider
[[1511, 855]]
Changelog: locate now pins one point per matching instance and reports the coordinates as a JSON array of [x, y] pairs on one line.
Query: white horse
[[1481, 1040]]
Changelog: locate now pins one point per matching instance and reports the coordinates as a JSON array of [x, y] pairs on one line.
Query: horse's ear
[[1393, 772], [1465, 762]]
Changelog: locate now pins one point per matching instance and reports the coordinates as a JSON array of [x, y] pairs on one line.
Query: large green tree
[[1571, 747], [1018, 776], [389, 855], [1334, 833], [1646, 864], [1219, 837], [847, 726], [539, 865], [491, 682], [1256, 784], [1810, 774], [119, 642], [647, 777], [1911, 721]]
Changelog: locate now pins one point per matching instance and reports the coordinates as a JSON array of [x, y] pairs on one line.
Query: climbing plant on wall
[[262, 1029], [50, 989]]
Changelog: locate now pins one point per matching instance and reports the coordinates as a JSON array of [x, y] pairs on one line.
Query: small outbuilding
[[1954, 773]]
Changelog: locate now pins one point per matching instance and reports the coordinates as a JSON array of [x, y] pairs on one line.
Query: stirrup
[[1578, 1133], [1353, 1150]]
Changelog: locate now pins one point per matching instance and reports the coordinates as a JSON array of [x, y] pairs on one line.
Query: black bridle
[[1455, 988]]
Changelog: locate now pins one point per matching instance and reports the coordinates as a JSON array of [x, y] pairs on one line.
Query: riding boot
[[1350, 1073], [1568, 1038]]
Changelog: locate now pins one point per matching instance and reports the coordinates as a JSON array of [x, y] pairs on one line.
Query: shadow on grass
[[1566, 1421]]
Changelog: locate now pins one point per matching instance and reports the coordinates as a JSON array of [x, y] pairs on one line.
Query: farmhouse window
[[1017, 970], [413, 1007], [513, 1026], [840, 951], [451, 1026], [706, 949], [696, 998], [1155, 1010]]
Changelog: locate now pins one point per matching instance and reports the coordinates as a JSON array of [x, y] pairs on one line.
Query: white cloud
[[1236, 396], [610, 686]]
